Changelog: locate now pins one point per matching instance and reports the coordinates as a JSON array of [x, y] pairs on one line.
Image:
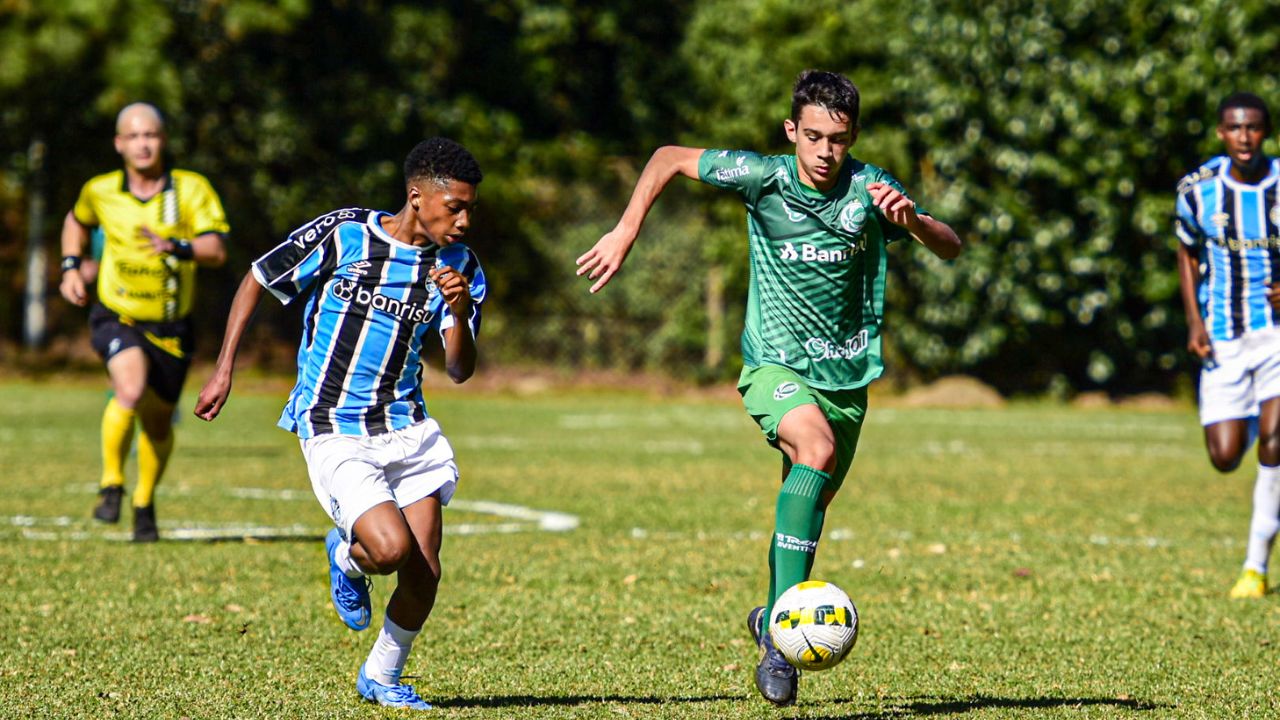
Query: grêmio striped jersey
[[815, 301], [359, 361], [1234, 229]]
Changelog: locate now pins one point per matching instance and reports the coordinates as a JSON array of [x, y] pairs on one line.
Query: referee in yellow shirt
[[159, 225]]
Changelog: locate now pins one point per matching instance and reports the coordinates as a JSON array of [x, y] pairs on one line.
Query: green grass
[[1029, 562]]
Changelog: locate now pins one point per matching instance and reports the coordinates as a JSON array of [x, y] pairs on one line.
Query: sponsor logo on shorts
[[335, 512], [113, 347], [783, 541], [785, 390], [821, 349]]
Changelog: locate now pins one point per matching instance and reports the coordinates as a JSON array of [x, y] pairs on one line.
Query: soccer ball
[[814, 625]]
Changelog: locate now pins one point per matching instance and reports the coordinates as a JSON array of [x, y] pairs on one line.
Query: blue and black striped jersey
[[1234, 229], [359, 362]]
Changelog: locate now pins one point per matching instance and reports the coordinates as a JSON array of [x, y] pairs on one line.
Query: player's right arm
[[215, 392], [75, 238], [1189, 283], [1189, 238], [605, 258]]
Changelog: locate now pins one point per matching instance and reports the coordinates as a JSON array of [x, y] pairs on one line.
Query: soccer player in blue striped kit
[[1228, 227], [379, 464]]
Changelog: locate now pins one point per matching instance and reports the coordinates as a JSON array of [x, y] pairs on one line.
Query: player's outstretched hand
[[72, 288], [213, 396], [605, 258], [896, 207], [454, 288]]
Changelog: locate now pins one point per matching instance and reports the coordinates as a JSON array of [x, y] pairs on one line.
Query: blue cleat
[[397, 695], [350, 595], [776, 679]]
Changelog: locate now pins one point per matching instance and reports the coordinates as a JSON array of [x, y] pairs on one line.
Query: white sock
[[347, 564], [1263, 527], [390, 651]]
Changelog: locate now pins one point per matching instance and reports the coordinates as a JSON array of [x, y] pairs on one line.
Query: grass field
[[1035, 561]]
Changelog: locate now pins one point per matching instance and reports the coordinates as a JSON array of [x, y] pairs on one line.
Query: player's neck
[[145, 184], [402, 227], [1251, 175]]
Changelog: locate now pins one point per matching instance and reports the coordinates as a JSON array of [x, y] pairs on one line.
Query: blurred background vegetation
[[1049, 134]]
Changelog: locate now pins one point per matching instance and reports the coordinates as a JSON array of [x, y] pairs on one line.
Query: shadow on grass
[[512, 701], [919, 707]]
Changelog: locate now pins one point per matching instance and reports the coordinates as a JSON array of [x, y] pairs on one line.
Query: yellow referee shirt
[[134, 281]]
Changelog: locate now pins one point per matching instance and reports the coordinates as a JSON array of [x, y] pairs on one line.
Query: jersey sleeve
[[1185, 225], [289, 269], [463, 260], [84, 208], [207, 215], [893, 231], [739, 170]]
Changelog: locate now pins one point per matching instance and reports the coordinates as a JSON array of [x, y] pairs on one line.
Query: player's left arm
[[459, 339], [900, 210], [207, 249]]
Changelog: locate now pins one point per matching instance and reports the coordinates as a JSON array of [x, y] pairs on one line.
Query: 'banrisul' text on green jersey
[[816, 298]]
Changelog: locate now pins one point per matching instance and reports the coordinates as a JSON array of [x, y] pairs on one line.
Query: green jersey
[[815, 302]]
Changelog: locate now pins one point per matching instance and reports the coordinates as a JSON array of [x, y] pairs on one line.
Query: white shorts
[[1244, 373], [351, 473]]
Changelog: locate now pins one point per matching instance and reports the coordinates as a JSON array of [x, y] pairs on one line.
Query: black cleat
[[776, 679], [108, 509], [144, 524]]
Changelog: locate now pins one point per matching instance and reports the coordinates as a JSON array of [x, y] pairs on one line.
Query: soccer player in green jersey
[[818, 225]]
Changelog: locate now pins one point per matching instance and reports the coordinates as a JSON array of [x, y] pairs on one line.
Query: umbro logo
[[360, 268]]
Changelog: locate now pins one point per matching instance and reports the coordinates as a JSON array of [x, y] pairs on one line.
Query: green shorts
[[769, 392]]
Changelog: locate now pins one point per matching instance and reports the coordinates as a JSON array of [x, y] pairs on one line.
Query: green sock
[[798, 524]]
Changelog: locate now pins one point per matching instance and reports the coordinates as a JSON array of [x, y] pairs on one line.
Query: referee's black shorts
[[167, 345]]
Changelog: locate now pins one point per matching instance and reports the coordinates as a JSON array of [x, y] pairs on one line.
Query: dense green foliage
[[1049, 134], [986, 590]]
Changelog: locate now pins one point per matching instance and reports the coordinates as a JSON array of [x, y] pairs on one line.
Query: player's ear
[[415, 197], [789, 126]]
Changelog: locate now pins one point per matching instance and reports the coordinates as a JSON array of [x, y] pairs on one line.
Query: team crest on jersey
[[792, 215], [785, 390], [1220, 219], [853, 216]]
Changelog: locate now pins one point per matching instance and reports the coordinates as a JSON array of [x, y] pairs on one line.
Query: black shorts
[[167, 346]]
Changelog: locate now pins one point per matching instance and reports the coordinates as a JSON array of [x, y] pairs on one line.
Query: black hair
[[831, 91], [1245, 100], [440, 160]]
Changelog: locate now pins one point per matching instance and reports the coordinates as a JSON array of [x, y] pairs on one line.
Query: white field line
[[68, 528]]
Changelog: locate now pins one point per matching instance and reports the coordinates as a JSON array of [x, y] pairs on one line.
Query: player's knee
[[1224, 459], [819, 453], [384, 553], [1269, 450]]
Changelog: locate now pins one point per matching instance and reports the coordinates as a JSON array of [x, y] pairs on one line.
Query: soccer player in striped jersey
[[376, 284], [1228, 227], [818, 226]]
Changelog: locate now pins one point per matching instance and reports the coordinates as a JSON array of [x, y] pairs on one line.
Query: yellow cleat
[[1250, 585]]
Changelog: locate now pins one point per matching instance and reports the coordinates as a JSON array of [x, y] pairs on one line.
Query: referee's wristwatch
[[70, 262]]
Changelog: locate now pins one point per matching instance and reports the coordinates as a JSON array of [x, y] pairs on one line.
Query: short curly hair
[[439, 160]]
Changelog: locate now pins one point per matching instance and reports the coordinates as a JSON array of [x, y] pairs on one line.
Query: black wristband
[[182, 249], [70, 262]]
